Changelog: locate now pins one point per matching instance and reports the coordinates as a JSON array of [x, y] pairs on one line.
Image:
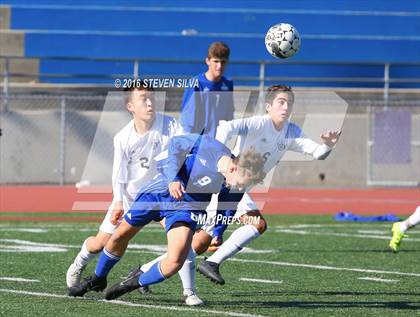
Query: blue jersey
[[192, 160], [204, 106]]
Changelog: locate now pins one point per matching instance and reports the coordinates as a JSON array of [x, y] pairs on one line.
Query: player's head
[[217, 59], [246, 170], [140, 101], [279, 101]]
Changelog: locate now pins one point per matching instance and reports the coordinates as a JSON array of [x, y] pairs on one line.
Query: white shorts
[[106, 225], [245, 205]]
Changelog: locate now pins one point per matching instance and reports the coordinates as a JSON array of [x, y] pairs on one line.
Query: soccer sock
[[238, 239], [84, 256], [187, 272], [152, 276], [414, 219], [146, 267], [106, 262]]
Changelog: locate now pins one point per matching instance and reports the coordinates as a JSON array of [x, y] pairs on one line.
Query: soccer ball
[[282, 40]]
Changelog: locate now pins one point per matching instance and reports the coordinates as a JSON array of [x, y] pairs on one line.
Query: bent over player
[[196, 167]]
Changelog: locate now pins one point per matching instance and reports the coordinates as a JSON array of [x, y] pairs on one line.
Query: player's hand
[[216, 241], [176, 190], [117, 212], [330, 138]]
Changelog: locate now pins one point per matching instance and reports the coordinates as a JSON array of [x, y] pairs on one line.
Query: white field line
[[31, 230], [386, 232], [256, 280], [377, 279], [336, 234], [17, 279], [17, 245], [324, 267], [122, 303]]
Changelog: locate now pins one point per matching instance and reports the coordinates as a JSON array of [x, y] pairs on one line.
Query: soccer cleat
[[397, 236], [91, 283], [144, 290], [73, 275], [211, 271], [192, 299], [129, 284]]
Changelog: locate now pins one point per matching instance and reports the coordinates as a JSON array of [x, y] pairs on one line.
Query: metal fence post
[[62, 141], [136, 69], [386, 84], [261, 78], [6, 85]]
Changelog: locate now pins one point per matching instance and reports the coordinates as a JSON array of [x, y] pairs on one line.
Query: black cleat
[[129, 284], [144, 290], [91, 283], [211, 271]]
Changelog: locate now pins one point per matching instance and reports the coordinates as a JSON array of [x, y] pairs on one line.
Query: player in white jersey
[[270, 135], [135, 147], [399, 229]]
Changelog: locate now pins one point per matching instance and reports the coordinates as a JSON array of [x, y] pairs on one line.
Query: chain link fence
[[66, 139]]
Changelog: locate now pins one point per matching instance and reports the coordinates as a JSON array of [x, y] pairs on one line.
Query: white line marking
[[259, 281], [324, 267], [377, 279], [336, 234], [386, 232], [31, 230], [119, 302], [17, 279]]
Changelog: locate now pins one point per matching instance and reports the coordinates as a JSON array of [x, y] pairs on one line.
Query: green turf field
[[316, 267]]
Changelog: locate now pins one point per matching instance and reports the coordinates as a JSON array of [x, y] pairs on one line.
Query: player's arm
[[178, 148], [227, 205], [301, 143], [227, 129], [119, 180]]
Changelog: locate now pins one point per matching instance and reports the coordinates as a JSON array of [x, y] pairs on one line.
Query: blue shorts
[[156, 204]]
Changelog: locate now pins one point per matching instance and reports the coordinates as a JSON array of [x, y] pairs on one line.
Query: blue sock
[[152, 276], [106, 262]]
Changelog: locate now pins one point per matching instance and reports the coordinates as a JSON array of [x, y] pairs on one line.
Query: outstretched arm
[[330, 138]]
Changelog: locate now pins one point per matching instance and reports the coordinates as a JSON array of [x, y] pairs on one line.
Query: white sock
[[412, 221], [187, 272], [146, 267], [237, 240], [84, 256]]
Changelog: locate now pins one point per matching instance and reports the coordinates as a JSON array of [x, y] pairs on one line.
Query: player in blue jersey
[[196, 167], [204, 106]]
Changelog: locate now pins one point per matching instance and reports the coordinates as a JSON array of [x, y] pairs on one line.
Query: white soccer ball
[[282, 40]]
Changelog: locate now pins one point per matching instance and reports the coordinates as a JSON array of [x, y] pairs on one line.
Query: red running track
[[32, 200]]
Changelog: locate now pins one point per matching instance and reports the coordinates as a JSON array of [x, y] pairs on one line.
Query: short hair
[[274, 90], [138, 84], [218, 50], [252, 165]]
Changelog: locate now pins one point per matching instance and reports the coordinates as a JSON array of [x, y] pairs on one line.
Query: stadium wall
[[31, 147]]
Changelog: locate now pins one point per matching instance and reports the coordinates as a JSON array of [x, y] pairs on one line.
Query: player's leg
[[110, 255], [254, 225], [179, 238], [201, 241], [90, 248], [399, 229]]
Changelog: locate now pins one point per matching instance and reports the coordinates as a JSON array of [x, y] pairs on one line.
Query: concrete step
[[4, 17], [26, 66], [12, 43]]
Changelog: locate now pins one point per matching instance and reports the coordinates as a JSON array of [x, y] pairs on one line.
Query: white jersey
[[134, 157], [259, 132]]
